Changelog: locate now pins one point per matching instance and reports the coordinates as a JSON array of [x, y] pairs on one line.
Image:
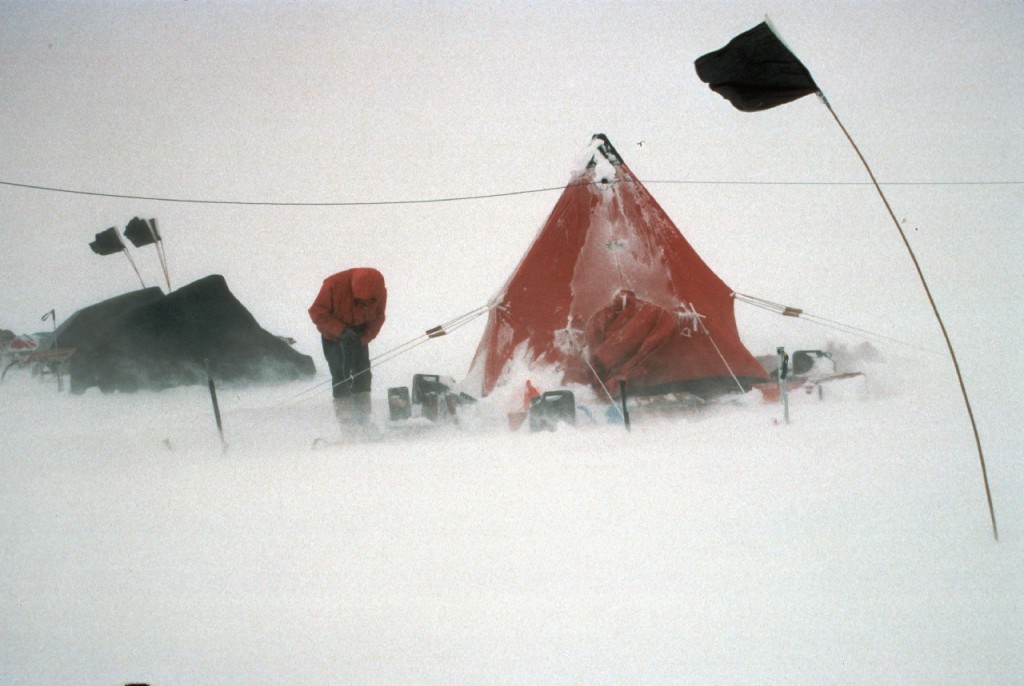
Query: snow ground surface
[[278, 143], [851, 546]]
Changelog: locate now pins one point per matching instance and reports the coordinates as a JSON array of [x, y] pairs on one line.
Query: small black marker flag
[[107, 242], [140, 232], [755, 71]]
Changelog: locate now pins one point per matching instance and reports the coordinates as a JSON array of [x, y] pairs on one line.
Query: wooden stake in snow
[[216, 407]]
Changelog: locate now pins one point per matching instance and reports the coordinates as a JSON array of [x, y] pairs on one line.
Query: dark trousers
[[349, 362]]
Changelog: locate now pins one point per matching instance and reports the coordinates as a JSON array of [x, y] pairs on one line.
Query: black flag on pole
[[755, 71], [107, 242], [140, 232]]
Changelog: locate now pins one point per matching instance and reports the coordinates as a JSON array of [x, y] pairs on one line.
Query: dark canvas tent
[[84, 329], [610, 289], [147, 340], [80, 329]]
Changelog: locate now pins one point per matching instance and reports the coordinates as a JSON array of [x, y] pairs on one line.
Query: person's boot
[[361, 408], [363, 416], [344, 411]]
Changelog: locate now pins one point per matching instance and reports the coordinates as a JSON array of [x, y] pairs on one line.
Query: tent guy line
[[431, 333], [484, 196], [463, 319], [798, 313]]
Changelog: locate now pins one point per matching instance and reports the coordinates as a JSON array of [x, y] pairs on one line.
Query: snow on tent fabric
[[607, 234]]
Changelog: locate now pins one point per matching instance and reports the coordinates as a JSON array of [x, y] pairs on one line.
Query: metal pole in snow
[[52, 314], [783, 385]]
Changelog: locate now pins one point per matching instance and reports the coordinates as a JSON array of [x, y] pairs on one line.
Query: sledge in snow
[[805, 370]]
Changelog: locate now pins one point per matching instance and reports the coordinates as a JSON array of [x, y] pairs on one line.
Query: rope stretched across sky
[[483, 196]]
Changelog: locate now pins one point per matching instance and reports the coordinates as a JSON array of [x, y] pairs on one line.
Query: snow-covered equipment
[[551, 408], [399, 404], [809, 370], [432, 398], [609, 270], [424, 385], [46, 364], [35, 352]]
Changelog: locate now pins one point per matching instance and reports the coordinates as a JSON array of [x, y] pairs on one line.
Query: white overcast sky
[[354, 102]]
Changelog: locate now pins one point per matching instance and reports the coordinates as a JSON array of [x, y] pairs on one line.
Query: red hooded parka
[[335, 308]]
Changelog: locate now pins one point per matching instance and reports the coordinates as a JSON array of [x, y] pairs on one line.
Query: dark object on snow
[[399, 404], [550, 408], [164, 341], [802, 364], [422, 384], [440, 408], [216, 405], [431, 398]]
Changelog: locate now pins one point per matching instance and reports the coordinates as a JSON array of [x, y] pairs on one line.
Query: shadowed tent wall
[[164, 342]]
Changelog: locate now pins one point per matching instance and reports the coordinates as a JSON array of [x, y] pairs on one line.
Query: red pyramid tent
[[562, 307]]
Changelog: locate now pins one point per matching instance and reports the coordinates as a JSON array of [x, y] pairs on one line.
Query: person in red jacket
[[349, 312]]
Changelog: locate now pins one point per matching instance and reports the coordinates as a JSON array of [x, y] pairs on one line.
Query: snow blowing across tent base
[[849, 546]]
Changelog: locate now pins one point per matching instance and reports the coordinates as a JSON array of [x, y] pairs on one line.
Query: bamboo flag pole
[[108, 242], [128, 255], [755, 71], [151, 224], [935, 310]]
